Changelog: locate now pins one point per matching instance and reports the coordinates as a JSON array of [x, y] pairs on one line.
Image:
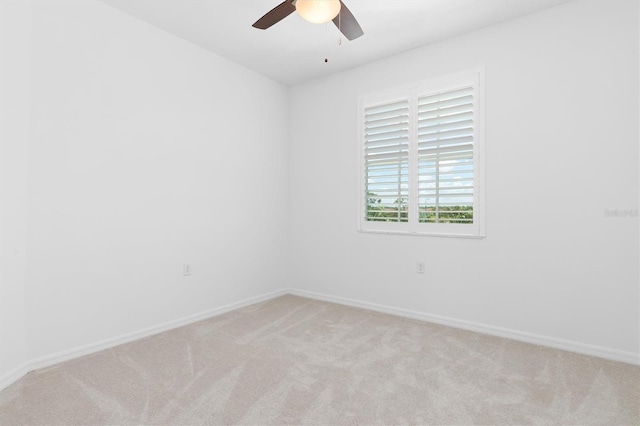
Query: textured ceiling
[[294, 51]]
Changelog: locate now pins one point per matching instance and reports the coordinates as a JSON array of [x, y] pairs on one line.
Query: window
[[421, 159]]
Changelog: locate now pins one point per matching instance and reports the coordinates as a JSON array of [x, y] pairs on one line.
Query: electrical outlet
[[420, 267], [186, 269]]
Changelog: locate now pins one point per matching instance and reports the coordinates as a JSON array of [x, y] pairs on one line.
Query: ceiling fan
[[317, 12]]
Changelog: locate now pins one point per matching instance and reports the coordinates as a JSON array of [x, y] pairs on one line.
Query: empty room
[[323, 212]]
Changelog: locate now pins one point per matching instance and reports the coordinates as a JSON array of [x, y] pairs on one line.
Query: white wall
[[561, 147], [146, 152], [130, 152], [15, 41]]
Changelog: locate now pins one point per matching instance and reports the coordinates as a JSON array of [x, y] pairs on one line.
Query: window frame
[[412, 92]]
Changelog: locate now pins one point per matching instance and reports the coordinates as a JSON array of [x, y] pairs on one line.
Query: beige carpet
[[297, 361]]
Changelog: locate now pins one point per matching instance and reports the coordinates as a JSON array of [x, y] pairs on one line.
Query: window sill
[[420, 234]]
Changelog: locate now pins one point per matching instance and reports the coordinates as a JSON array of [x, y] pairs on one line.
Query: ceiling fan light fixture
[[318, 11]]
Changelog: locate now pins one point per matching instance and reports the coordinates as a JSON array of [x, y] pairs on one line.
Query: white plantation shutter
[[445, 156], [386, 146], [422, 159]]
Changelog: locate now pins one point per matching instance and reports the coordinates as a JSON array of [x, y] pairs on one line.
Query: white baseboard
[[567, 345], [13, 375], [48, 360]]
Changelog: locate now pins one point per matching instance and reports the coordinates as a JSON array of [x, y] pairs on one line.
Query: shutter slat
[[401, 159], [445, 111], [432, 183], [460, 137], [464, 100], [382, 183], [388, 143], [387, 128], [442, 127], [452, 118], [375, 123], [449, 94], [426, 150], [391, 106], [399, 136], [387, 149], [399, 115], [392, 197]]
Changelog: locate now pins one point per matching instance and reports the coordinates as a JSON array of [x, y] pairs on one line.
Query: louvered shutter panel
[[386, 161], [445, 156]]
